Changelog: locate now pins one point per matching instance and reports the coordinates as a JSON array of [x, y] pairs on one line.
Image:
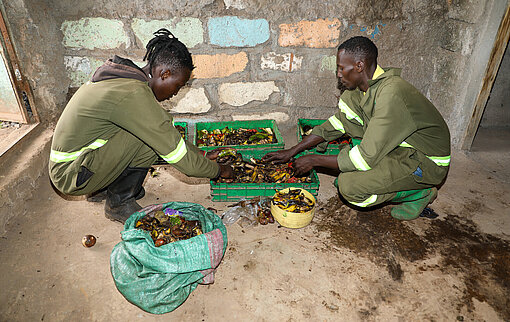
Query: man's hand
[[213, 155], [226, 171], [307, 162], [278, 156], [304, 164]]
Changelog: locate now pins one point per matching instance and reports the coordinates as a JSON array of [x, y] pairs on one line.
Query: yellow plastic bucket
[[293, 219]]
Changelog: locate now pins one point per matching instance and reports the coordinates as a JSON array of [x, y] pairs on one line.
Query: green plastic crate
[[209, 126], [160, 161], [330, 150], [237, 191]]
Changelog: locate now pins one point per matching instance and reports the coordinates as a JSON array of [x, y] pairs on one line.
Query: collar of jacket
[[387, 73]]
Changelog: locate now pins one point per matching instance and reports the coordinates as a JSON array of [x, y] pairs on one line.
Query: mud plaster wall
[[437, 43]]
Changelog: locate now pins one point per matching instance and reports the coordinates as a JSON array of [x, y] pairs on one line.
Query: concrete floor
[[345, 266]]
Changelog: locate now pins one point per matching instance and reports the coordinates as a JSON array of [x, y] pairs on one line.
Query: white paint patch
[[236, 4], [193, 101], [80, 69], [279, 117], [239, 94], [285, 62]]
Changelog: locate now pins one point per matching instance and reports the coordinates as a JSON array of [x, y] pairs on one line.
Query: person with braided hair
[[400, 149], [113, 129]]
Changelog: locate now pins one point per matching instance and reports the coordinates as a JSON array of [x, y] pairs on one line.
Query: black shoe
[[122, 212], [121, 194]]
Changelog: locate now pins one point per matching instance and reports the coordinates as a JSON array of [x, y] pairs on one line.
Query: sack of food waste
[[158, 269]]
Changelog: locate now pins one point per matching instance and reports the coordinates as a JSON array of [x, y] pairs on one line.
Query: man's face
[[166, 84], [347, 72]]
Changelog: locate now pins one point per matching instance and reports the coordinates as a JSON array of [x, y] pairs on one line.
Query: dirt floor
[[346, 265]]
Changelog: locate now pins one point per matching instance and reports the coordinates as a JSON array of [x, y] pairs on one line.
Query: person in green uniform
[[400, 149], [113, 129]]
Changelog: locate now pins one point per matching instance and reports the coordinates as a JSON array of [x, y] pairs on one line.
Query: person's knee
[[347, 188]]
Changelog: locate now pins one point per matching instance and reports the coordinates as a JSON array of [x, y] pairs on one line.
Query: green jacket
[[391, 115], [98, 110]]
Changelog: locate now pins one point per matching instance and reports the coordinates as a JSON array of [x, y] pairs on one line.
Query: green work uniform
[[405, 142], [113, 124]]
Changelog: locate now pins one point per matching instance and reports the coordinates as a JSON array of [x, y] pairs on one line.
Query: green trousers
[[395, 172], [106, 164]]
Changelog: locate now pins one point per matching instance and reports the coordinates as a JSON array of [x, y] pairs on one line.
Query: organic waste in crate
[[293, 201], [167, 226], [257, 171], [229, 136]]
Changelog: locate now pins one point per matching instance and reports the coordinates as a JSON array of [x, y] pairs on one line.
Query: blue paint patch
[[377, 30], [234, 32]]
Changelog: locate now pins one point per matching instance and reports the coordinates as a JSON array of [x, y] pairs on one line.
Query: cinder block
[[192, 101], [234, 32], [321, 33], [238, 94], [279, 117], [188, 30], [286, 62], [90, 33], [80, 69], [220, 65]]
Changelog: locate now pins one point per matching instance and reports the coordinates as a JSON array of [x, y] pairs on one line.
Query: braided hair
[[360, 47], [165, 49]]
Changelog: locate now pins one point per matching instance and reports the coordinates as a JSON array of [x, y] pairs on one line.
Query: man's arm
[[283, 156]]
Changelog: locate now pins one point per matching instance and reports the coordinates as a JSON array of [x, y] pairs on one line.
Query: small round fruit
[[88, 240], [159, 242]]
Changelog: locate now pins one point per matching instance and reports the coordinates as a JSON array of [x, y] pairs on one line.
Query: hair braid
[[165, 49]]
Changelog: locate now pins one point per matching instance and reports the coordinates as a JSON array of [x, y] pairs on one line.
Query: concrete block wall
[[282, 50], [242, 65]]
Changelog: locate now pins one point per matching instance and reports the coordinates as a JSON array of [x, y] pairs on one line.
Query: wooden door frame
[[19, 83], [496, 56]]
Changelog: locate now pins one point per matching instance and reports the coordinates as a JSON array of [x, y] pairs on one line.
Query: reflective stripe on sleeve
[[177, 154], [336, 124], [58, 157], [371, 200], [440, 161], [349, 114], [358, 160]]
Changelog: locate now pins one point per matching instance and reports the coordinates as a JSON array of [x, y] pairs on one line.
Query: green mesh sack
[[159, 279]]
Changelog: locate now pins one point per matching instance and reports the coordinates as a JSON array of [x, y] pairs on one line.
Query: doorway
[[491, 144]]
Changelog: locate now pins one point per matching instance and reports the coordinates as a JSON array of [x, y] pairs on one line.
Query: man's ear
[[360, 66], [165, 73]]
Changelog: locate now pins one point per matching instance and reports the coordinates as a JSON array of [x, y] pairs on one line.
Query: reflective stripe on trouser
[[107, 163], [380, 184], [440, 161]]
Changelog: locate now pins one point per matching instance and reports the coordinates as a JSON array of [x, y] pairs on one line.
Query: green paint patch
[[188, 30], [91, 33], [328, 63]]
